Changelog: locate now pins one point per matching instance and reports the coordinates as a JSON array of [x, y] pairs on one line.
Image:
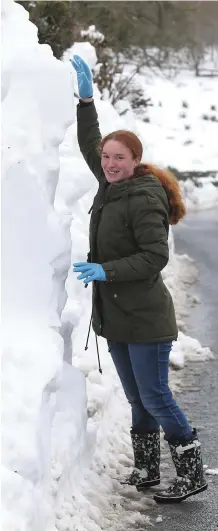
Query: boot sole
[[147, 484], [178, 499]]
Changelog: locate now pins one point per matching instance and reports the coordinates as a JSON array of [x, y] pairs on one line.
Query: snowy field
[[65, 430]]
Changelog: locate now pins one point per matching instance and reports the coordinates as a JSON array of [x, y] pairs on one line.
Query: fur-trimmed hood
[[171, 187]]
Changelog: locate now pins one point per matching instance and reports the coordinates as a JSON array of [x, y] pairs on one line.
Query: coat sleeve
[[89, 137], [149, 224]]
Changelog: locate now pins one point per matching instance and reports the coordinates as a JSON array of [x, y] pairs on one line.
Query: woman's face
[[117, 161]]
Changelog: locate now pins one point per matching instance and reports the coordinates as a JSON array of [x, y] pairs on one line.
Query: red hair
[[166, 177]]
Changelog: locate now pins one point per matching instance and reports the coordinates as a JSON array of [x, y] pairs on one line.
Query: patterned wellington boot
[[189, 467], [146, 472]]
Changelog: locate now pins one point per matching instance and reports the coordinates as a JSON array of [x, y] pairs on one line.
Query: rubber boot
[[146, 449], [189, 467]]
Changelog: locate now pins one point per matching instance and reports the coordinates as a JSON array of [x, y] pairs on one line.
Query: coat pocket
[[131, 296]]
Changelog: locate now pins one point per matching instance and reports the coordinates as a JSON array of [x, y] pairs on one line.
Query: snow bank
[[201, 196], [40, 394]]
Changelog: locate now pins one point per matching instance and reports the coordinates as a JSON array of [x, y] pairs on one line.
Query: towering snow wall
[[39, 390]]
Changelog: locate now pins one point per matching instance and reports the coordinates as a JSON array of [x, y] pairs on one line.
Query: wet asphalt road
[[197, 236]]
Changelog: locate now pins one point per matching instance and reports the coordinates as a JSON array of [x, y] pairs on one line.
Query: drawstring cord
[[99, 363], [87, 339], [96, 339]]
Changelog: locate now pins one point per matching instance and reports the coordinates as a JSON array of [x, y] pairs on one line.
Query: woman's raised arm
[[88, 131]]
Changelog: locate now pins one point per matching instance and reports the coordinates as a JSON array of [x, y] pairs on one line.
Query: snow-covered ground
[[60, 458]]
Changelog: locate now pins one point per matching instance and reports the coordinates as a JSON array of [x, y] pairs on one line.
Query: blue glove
[[84, 77], [89, 271]]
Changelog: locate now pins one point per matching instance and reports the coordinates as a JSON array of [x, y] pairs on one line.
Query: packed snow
[[65, 428], [211, 471]]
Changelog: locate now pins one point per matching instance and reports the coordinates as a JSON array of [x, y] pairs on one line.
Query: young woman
[[132, 307]]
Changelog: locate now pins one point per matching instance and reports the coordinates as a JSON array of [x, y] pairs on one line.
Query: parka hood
[[156, 183]]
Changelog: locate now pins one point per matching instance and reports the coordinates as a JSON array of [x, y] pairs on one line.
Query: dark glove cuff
[[109, 272], [85, 103]]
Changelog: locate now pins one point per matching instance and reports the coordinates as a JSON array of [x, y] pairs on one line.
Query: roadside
[[197, 236]]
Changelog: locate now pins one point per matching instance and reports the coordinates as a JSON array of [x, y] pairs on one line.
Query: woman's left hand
[[84, 77], [89, 271]]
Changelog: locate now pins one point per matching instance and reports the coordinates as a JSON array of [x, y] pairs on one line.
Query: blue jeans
[[143, 370]]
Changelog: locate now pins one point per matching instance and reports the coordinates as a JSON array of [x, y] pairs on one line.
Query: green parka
[[129, 237]]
